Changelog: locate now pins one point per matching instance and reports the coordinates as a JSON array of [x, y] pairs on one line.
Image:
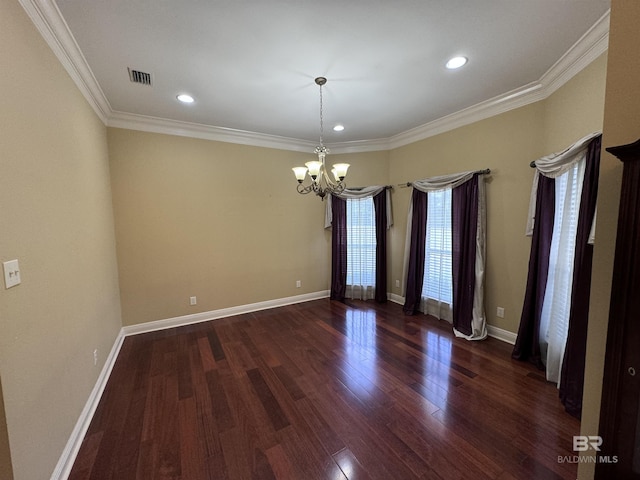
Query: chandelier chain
[[321, 119]]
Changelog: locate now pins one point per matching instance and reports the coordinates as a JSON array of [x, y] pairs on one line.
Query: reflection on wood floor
[[324, 390]]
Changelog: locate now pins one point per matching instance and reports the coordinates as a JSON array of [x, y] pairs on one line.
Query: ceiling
[[251, 64]]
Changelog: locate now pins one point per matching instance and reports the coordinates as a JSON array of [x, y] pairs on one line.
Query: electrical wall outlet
[[500, 312], [397, 283], [11, 273], [95, 357], [298, 283], [193, 300]]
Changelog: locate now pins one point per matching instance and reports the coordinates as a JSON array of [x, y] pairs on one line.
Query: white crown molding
[[517, 98], [47, 18], [589, 47], [144, 123], [49, 21], [358, 146]]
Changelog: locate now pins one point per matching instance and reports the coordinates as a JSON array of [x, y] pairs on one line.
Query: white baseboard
[[70, 452], [68, 457], [221, 313], [65, 463], [495, 332], [392, 297], [503, 335]]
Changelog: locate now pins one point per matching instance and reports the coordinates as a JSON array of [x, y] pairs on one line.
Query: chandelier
[[321, 181]]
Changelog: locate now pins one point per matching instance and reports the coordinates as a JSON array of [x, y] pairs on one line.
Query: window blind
[[556, 308], [361, 244], [438, 277]]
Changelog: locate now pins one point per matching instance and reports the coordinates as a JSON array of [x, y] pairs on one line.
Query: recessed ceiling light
[[184, 98], [338, 128], [456, 62]]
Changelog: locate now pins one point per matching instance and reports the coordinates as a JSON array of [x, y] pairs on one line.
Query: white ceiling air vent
[[136, 76]]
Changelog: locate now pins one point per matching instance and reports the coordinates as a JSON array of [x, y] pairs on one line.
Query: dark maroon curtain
[[338, 248], [415, 274], [464, 227], [380, 206], [572, 377], [527, 347]]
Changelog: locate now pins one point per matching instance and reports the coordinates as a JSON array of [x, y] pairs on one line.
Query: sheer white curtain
[[567, 167], [437, 286], [360, 280], [442, 307], [361, 248], [554, 320]]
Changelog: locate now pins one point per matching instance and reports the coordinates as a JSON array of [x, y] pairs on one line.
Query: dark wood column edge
[[621, 298]]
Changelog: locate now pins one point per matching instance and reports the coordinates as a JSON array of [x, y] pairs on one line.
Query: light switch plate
[[11, 273]]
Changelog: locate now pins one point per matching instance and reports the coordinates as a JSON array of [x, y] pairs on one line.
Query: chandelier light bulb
[[314, 168], [341, 170], [300, 173]]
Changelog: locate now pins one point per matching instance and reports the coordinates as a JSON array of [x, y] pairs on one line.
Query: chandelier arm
[[330, 182], [319, 190], [305, 189], [327, 177]]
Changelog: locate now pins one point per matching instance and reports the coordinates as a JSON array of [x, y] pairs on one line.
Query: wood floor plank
[[308, 461], [288, 382], [278, 418], [216, 347], [280, 464], [350, 466], [324, 390], [206, 355]]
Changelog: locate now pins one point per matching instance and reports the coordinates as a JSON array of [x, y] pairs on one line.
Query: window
[[437, 287], [361, 247], [556, 308]]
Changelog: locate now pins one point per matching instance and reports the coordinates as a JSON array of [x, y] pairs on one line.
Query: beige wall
[[506, 144], [6, 469], [218, 221], [621, 126], [56, 219], [189, 213], [576, 108]]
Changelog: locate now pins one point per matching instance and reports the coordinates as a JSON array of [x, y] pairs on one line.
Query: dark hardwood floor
[[324, 390]]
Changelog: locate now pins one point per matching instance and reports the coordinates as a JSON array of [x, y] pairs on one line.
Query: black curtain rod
[[386, 187], [486, 171], [533, 164]]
